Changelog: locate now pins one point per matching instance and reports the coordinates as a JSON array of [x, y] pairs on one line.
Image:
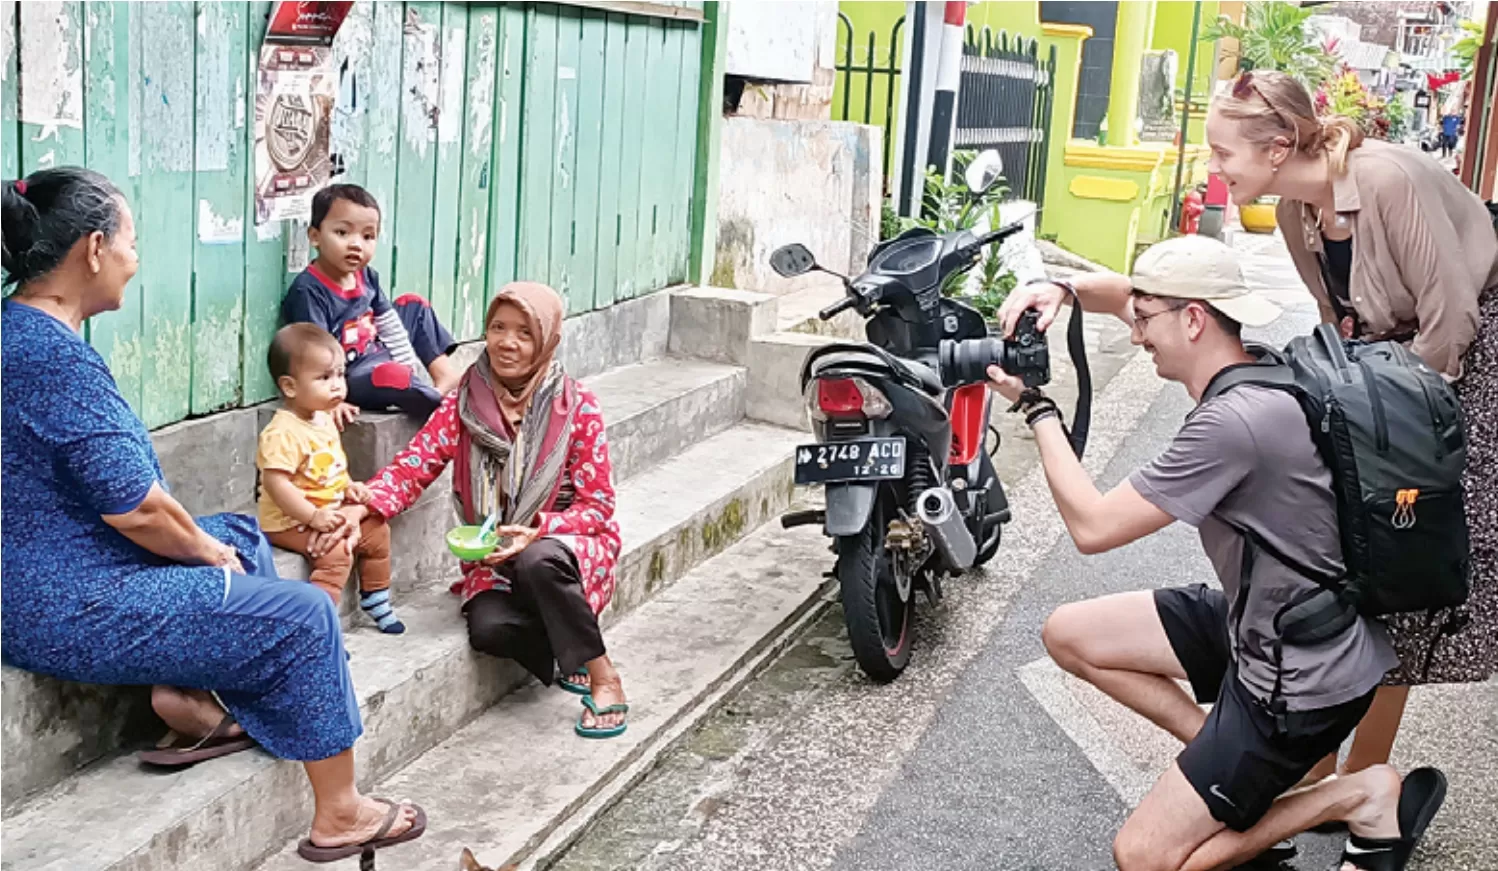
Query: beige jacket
[[1423, 251]]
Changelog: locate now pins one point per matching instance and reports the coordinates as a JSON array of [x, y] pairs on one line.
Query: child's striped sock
[[377, 606]]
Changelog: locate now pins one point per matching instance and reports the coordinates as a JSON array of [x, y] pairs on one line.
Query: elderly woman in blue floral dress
[[108, 580]]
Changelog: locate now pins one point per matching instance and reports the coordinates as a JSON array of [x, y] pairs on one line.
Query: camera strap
[[1076, 348]]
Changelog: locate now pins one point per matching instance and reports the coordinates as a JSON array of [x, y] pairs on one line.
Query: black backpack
[[1390, 429]]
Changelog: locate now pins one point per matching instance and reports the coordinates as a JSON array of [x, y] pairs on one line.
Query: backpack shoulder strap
[[1270, 371]]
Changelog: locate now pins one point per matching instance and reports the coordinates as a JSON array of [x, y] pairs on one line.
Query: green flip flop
[[567, 683], [593, 732]]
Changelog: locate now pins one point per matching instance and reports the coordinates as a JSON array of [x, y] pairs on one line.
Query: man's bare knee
[[1132, 852], [1064, 637]]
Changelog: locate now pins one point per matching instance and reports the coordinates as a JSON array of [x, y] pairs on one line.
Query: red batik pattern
[[587, 525]]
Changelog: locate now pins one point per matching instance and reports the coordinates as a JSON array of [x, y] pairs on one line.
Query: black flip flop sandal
[[1419, 799], [172, 753], [313, 853]]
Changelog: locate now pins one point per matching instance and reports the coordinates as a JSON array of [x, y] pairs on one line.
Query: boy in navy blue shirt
[[396, 354]]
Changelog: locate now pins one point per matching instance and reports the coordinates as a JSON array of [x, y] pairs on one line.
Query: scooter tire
[[864, 572]]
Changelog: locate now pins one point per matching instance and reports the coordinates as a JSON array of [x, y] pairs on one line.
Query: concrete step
[[797, 313], [653, 410], [415, 690], [657, 409], [517, 784], [775, 358], [775, 362]]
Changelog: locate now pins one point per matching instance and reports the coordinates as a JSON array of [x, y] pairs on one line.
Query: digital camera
[[1026, 355]]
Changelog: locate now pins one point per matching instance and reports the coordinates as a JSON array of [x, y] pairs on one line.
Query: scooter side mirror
[[792, 260], [984, 171]]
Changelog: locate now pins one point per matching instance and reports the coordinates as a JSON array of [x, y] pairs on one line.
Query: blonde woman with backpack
[[1392, 247]]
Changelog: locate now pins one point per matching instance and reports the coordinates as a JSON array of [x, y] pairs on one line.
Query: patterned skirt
[[1462, 646]]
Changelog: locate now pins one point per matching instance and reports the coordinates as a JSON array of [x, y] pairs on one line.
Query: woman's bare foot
[[605, 693], [190, 713], [358, 823]]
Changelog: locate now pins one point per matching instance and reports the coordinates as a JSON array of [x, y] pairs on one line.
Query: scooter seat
[[929, 380], [912, 372]]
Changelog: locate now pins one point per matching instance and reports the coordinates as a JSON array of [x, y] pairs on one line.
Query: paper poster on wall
[[293, 107]]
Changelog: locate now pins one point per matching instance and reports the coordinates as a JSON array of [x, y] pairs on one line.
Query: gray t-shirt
[[1245, 459]]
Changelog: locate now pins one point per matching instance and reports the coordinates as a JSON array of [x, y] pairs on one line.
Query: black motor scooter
[[901, 424]]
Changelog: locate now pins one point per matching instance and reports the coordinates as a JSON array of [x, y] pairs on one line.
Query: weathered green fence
[[542, 141]]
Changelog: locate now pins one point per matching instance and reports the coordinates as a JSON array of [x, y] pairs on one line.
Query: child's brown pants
[[330, 571]]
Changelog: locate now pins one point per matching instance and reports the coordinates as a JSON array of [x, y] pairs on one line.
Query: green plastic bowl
[[465, 544]]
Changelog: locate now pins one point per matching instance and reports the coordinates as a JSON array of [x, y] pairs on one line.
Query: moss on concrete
[[725, 529]]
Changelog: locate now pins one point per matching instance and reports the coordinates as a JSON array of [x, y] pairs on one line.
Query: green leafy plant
[[1399, 115], [949, 206], [1465, 49], [994, 286], [890, 222], [1275, 36]]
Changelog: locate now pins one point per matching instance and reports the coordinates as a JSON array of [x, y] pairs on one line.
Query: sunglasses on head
[[1244, 87]]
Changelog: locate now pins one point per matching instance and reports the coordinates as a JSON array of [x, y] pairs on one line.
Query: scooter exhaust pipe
[[938, 511]]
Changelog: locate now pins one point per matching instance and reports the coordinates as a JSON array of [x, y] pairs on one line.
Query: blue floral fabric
[[82, 602]]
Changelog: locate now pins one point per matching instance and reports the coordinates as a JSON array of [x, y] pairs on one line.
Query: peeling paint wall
[[51, 55], [813, 182], [482, 129]]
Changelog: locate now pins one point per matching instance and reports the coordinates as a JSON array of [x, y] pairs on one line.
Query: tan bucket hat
[[1202, 268]]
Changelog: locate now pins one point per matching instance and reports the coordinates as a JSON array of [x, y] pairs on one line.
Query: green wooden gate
[[548, 142]]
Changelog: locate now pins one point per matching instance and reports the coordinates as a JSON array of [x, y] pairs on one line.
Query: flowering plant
[[1345, 94]]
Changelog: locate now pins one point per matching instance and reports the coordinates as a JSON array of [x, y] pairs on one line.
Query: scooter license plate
[[870, 459]]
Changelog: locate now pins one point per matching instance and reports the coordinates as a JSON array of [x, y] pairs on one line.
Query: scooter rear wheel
[[878, 621]]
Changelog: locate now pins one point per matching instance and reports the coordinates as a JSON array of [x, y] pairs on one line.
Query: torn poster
[[293, 106]]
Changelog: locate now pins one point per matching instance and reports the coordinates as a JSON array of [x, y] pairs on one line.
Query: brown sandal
[[170, 752], [313, 853]]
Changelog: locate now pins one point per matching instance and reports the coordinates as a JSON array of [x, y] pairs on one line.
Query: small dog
[[467, 862]]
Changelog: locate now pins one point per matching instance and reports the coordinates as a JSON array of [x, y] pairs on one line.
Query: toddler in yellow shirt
[[304, 473]]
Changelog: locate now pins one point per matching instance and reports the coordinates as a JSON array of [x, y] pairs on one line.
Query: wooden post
[[709, 139], [1480, 161]]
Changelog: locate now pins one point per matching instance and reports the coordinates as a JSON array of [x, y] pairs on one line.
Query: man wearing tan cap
[[1243, 460]]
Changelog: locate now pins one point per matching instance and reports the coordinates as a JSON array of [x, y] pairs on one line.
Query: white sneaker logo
[[1218, 792]]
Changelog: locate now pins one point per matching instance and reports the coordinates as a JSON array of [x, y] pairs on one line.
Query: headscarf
[[543, 309], [501, 424]]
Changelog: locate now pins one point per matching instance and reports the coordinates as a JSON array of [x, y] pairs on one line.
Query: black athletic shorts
[[1240, 762]]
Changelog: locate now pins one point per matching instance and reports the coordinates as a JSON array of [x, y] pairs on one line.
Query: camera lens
[[967, 361], [1025, 355]]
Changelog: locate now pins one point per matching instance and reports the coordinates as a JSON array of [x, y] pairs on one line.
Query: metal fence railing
[[1005, 103], [870, 85]]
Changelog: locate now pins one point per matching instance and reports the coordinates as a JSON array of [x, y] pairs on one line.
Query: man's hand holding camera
[[1045, 297], [1030, 401]]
